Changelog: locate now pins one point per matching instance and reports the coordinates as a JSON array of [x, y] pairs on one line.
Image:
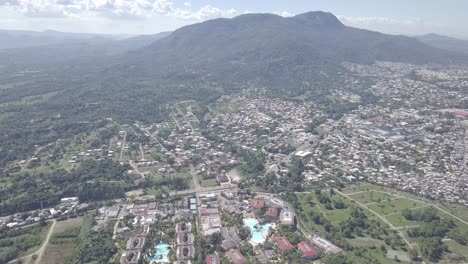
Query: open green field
[[310, 205], [398, 220], [455, 248], [56, 253], [389, 203], [394, 206], [368, 197], [209, 183], [362, 193], [335, 216]]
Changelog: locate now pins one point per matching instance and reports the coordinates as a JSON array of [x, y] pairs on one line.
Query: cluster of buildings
[[421, 152], [68, 207]]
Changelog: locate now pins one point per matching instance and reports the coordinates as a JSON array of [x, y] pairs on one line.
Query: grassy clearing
[[208, 182], [365, 242], [70, 223], [398, 220], [457, 210], [372, 197], [361, 187], [456, 248], [394, 206], [58, 253]]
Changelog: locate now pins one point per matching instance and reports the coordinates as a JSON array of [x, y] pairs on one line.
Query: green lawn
[[454, 247], [394, 206], [365, 242], [207, 182], [372, 197], [398, 220]]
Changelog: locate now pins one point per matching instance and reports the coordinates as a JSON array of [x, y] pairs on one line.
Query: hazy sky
[[411, 17]]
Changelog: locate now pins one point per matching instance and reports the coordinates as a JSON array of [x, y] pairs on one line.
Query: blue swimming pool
[[161, 253], [257, 230]]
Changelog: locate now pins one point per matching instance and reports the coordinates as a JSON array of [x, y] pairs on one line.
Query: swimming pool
[[257, 230], [161, 252]]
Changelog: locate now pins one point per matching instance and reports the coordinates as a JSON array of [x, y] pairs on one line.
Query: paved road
[[40, 251]]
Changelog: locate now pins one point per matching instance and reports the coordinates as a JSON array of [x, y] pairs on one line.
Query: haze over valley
[[257, 138]]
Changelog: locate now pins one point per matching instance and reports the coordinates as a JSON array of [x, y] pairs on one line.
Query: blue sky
[[410, 17]]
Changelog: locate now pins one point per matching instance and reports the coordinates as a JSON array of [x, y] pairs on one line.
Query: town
[[229, 182]]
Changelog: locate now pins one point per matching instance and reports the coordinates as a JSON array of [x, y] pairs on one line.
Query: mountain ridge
[[260, 41]]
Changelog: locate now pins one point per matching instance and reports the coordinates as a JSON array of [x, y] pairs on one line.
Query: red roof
[[307, 249], [212, 259], [461, 113], [283, 243], [236, 256], [258, 203], [272, 212], [202, 211]]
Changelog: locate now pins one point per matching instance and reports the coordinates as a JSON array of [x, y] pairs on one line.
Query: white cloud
[[284, 14], [114, 8], [412, 26], [205, 12]]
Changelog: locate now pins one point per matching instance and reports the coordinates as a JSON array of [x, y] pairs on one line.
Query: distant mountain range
[[444, 42], [51, 47]]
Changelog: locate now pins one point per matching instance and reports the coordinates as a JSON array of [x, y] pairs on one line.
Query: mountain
[[444, 42], [66, 85], [272, 50]]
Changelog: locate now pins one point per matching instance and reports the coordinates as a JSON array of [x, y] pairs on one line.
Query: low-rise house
[[236, 256], [283, 243], [324, 244], [286, 217], [272, 212], [258, 203], [185, 252], [307, 250], [212, 259]]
